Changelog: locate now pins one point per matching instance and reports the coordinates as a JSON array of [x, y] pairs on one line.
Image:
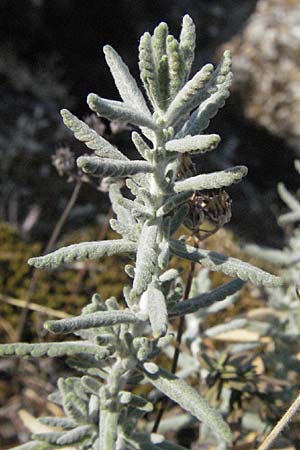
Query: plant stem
[[281, 424]]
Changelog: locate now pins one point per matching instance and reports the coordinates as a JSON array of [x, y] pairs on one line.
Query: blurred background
[[51, 58]]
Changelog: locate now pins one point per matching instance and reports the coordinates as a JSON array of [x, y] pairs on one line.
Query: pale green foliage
[[214, 180], [117, 346], [93, 165], [89, 136], [183, 394], [194, 144], [79, 252], [220, 263], [204, 300]]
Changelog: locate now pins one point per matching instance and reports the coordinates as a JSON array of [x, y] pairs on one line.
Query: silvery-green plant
[[115, 346]]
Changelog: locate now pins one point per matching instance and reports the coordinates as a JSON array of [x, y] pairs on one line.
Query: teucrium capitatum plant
[[116, 345]]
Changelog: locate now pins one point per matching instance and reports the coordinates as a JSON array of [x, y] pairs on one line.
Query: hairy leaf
[[213, 180], [273, 255], [125, 224], [204, 300], [175, 65], [125, 82], [33, 445], [189, 399], [75, 436], [91, 384], [220, 263], [110, 167], [159, 49], [212, 99], [141, 146], [89, 136], [288, 198], [111, 109], [194, 144], [61, 422], [289, 217], [146, 258], [84, 250], [148, 71], [178, 218], [154, 303], [173, 202], [187, 43], [54, 349], [188, 97], [97, 319], [51, 437], [136, 401]]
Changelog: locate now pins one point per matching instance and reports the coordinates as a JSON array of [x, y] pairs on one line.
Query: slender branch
[[34, 307], [62, 220], [285, 419], [53, 238]]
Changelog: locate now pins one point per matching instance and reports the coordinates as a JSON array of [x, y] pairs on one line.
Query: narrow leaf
[[230, 266], [141, 146], [84, 250], [124, 81], [154, 303], [194, 144], [90, 384], [61, 422], [213, 180], [75, 436], [273, 255], [175, 65], [97, 319], [159, 49], [173, 202], [289, 217], [97, 167], [178, 218], [288, 198], [188, 97], [75, 408], [159, 41], [148, 71], [146, 258], [136, 401], [190, 400], [54, 349], [213, 99], [89, 136], [187, 43], [33, 445], [50, 438], [204, 300], [111, 109], [125, 224]]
